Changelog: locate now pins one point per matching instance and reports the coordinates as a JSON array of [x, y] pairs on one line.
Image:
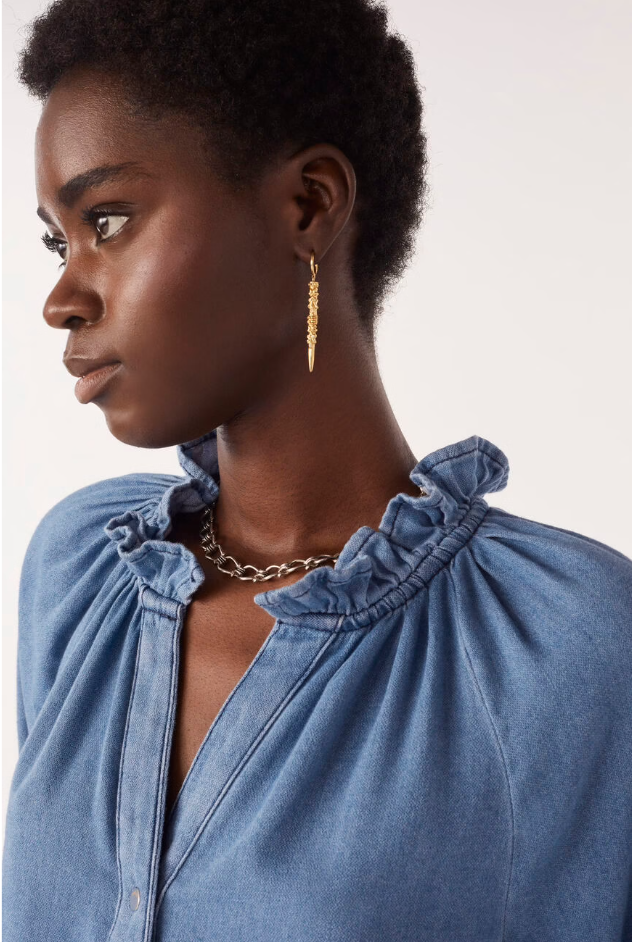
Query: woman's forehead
[[84, 132], [80, 110]]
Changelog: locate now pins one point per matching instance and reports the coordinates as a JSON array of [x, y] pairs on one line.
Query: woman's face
[[195, 291]]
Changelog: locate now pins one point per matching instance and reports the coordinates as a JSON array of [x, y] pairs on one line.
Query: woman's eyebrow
[[73, 189]]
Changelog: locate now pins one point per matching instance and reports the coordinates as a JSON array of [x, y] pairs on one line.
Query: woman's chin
[[130, 428], [141, 429]]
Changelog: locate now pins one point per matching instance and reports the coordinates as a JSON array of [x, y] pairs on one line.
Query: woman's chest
[[220, 638]]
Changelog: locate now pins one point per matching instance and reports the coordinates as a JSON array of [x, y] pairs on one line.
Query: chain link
[[229, 565]]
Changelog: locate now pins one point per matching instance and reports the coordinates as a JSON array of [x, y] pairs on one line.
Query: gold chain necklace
[[229, 565]]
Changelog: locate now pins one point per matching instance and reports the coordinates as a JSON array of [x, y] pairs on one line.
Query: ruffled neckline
[[376, 571]]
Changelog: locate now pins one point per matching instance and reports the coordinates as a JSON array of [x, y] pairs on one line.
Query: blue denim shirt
[[434, 742]]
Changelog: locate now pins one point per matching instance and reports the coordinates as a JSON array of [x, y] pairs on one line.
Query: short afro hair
[[258, 76]]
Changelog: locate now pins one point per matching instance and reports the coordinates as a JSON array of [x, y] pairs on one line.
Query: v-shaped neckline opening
[[280, 667]]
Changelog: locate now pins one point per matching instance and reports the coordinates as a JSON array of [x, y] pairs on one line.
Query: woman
[[313, 688]]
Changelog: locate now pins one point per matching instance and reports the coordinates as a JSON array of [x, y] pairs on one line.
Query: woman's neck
[[318, 458]]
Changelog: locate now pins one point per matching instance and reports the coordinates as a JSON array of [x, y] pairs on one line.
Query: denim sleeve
[[33, 598], [68, 558], [547, 620]]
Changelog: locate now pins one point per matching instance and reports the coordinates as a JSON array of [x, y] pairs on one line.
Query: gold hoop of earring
[[312, 317]]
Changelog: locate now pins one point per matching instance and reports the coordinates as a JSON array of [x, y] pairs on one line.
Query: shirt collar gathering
[[377, 570]]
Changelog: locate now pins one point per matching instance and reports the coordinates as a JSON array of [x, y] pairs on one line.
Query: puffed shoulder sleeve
[[68, 559], [546, 619]]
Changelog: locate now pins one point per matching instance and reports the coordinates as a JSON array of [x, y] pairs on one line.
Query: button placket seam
[[158, 831], [120, 776]]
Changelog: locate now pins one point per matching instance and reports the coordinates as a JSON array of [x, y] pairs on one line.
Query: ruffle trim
[[376, 569], [169, 568]]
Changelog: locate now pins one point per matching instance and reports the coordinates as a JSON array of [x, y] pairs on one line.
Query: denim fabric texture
[[434, 743]]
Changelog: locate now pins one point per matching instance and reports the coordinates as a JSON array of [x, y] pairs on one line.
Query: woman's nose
[[70, 303]]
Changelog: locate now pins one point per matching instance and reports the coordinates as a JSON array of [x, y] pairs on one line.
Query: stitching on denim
[[503, 759], [392, 526], [339, 619], [249, 751], [120, 778], [370, 610], [434, 553], [186, 579], [413, 576], [153, 869], [158, 610]]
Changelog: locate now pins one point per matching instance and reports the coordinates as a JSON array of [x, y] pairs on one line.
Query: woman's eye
[[106, 225], [54, 245]]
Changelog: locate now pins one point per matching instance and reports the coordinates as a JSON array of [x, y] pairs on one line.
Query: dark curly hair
[[258, 76]]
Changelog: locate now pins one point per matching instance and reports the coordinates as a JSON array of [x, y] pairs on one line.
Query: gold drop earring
[[312, 317]]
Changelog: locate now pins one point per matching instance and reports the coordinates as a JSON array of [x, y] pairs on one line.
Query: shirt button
[[134, 898]]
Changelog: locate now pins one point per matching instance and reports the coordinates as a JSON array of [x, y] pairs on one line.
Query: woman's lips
[[93, 383]]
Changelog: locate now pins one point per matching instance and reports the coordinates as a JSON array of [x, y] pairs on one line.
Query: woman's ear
[[323, 186]]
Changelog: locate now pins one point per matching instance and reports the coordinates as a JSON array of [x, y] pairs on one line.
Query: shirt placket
[[144, 766]]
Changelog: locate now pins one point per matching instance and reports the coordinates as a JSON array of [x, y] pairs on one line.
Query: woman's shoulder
[[78, 520], [527, 563], [71, 562], [544, 557], [553, 606], [70, 545], [85, 510]]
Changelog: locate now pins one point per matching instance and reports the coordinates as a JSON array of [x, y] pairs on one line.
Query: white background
[[512, 323]]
